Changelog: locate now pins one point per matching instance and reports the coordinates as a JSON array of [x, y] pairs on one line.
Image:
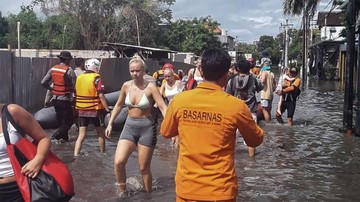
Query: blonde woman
[[172, 86], [195, 72], [139, 129], [169, 89]]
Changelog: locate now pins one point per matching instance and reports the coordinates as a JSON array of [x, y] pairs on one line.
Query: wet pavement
[[310, 161]]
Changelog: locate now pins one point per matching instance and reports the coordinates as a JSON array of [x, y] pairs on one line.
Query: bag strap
[[6, 116]]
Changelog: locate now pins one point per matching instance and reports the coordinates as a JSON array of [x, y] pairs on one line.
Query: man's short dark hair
[[293, 71], [215, 63], [79, 61], [244, 66]]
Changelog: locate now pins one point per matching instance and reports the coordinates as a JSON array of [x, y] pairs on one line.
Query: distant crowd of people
[[202, 112]]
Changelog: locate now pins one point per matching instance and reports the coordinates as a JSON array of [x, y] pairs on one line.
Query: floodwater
[[310, 161]]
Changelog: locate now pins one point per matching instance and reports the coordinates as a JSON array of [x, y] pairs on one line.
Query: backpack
[[191, 83], [159, 77], [243, 95]]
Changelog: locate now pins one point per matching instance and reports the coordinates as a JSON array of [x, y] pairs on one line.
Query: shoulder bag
[[53, 182]]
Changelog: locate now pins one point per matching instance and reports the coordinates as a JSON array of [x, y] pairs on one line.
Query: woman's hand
[[108, 131], [32, 168]]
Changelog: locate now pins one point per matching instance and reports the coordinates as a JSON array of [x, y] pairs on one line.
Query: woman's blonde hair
[[169, 70], [137, 59]]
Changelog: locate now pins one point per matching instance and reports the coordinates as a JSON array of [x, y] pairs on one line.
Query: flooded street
[[310, 161]]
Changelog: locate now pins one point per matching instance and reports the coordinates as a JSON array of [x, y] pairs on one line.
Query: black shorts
[[84, 121], [289, 106], [10, 193]]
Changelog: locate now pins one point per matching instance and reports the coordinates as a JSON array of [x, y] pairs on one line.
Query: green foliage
[[245, 48], [272, 46], [60, 32], [91, 22], [297, 7], [3, 31], [30, 28], [295, 46], [193, 35]]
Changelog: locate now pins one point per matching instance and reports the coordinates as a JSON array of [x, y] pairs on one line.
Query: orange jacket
[[58, 74], [206, 120], [87, 97]]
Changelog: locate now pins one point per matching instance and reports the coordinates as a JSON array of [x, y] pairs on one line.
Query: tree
[[193, 35], [295, 46], [272, 46], [297, 7], [60, 32], [142, 17], [111, 20], [245, 48], [30, 28], [4, 26]]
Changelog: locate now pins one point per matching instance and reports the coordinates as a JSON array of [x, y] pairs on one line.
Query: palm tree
[[297, 7]]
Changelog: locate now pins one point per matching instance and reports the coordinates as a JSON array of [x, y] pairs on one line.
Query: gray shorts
[[140, 131]]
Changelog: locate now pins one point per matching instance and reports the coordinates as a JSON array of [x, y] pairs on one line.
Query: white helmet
[[93, 65]]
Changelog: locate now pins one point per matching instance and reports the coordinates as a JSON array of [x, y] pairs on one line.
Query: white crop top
[[5, 165], [170, 93], [198, 79]]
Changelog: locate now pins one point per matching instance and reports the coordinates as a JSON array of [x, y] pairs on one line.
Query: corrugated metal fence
[[6, 86], [20, 78]]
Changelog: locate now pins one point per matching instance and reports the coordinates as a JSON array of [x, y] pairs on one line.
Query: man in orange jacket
[[206, 120], [63, 78]]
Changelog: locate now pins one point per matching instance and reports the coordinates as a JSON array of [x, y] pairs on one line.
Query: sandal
[[279, 118]]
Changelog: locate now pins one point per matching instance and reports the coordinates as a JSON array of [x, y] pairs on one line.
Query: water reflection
[[310, 161]]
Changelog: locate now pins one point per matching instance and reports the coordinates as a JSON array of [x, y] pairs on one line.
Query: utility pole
[[357, 126], [349, 70], [312, 27], [286, 27], [19, 39], [305, 44], [63, 40], [137, 31]]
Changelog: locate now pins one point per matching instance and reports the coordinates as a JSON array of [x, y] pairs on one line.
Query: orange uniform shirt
[[206, 119], [295, 84]]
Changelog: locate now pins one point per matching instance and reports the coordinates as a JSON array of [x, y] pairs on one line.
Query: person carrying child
[[284, 80]]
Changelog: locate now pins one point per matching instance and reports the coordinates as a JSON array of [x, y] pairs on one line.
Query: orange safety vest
[[87, 97], [61, 87]]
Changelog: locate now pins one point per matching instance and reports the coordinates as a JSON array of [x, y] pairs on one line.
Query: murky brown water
[[310, 161]]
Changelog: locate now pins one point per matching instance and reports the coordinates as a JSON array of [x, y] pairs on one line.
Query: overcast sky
[[245, 20]]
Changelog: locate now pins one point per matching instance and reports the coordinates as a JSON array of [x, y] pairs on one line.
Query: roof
[[217, 30], [327, 43], [330, 19], [126, 50]]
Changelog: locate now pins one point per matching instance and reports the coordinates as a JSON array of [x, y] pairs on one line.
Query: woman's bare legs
[[144, 159], [123, 151], [101, 136], [80, 140]]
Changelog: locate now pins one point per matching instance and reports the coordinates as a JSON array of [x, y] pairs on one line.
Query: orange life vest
[[87, 97], [58, 74]]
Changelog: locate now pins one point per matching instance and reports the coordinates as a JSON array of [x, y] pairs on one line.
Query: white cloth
[[170, 93], [5, 165]]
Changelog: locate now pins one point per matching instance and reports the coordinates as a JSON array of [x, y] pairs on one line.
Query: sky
[[245, 20]]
